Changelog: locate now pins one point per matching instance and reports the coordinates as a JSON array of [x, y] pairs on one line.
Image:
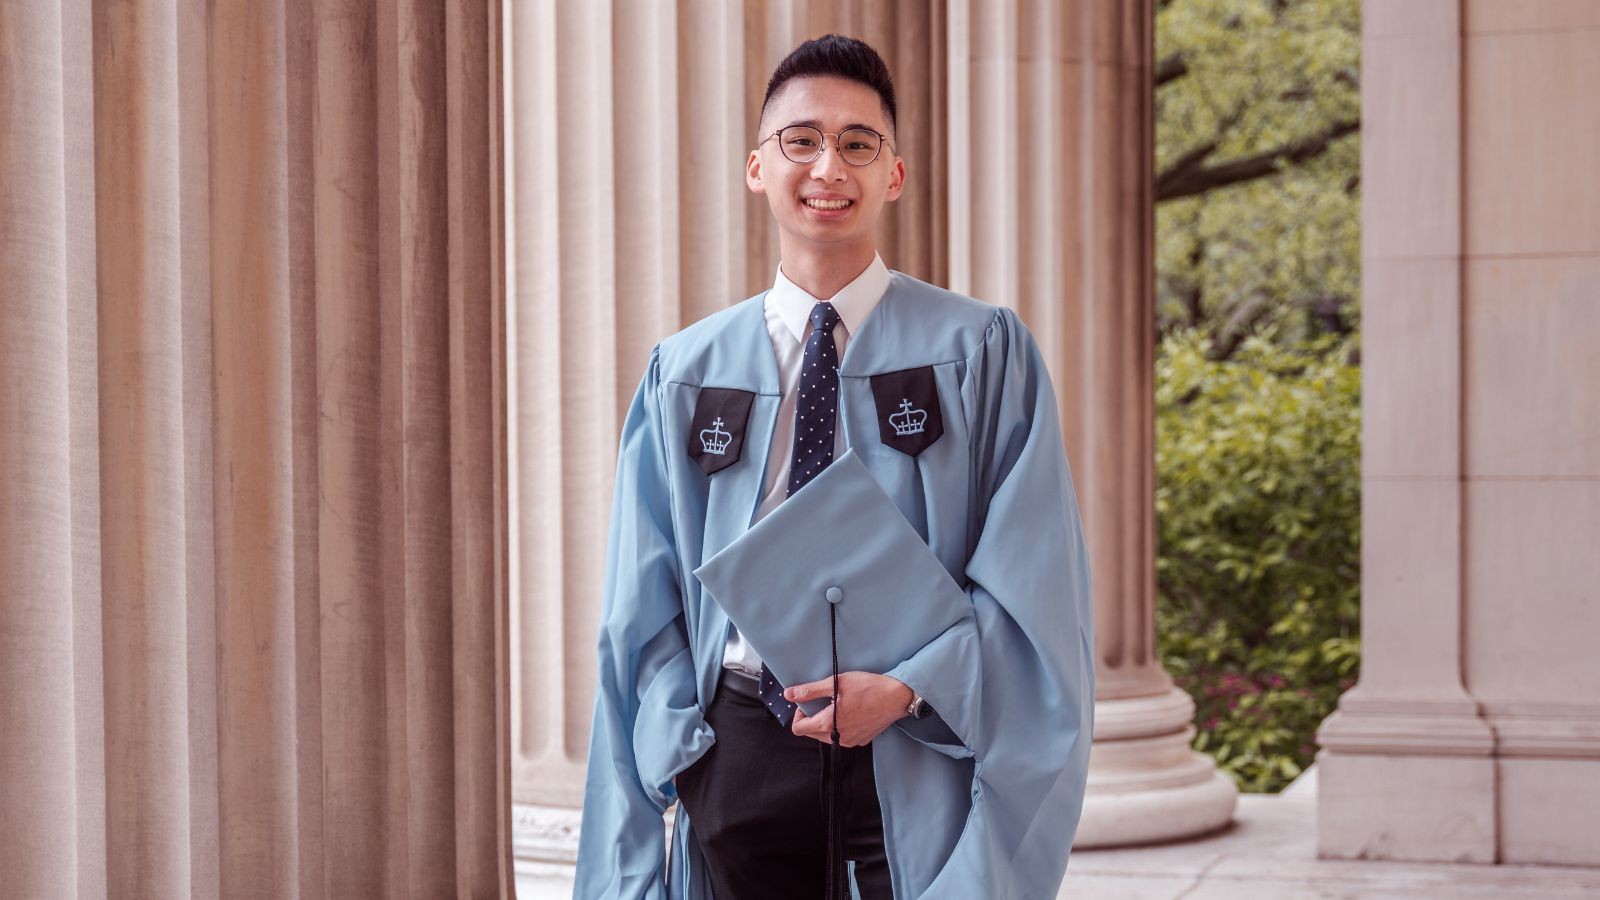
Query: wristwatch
[[919, 708]]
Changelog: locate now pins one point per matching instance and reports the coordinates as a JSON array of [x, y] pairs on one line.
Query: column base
[[545, 834], [1410, 808], [1450, 779], [1406, 779], [1146, 783]]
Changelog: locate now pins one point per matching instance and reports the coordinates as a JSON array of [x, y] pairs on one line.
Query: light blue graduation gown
[[979, 801]]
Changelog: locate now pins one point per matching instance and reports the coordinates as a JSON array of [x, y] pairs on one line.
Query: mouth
[[827, 208]]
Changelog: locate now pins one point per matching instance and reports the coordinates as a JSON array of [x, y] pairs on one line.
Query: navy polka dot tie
[[814, 417]]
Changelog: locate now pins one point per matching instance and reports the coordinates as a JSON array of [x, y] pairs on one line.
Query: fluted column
[[153, 774], [251, 324], [40, 365], [596, 212], [1051, 213], [252, 504], [631, 121]]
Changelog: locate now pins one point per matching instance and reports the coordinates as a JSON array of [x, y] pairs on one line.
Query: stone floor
[[1268, 852]]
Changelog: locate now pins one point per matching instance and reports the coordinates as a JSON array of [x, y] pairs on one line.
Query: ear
[[897, 180], [752, 173]]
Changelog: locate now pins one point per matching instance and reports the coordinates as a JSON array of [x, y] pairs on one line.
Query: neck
[[822, 273]]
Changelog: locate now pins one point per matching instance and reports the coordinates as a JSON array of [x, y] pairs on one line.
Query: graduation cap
[[834, 579], [839, 545]]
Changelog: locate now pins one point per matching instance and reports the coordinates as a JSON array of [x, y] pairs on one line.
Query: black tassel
[[838, 885]]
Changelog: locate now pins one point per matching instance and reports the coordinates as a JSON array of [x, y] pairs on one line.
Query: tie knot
[[824, 317]]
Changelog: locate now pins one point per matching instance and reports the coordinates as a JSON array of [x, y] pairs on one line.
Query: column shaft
[[1480, 475], [36, 527], [1051, 213]]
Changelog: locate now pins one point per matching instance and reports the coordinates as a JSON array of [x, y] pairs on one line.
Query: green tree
[[1257, 168], [1257, 385]]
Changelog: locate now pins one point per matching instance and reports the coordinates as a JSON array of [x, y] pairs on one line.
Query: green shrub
[[1258, 516]]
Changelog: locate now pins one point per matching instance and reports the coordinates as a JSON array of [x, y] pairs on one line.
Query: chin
[[829, 235], [843, 229]]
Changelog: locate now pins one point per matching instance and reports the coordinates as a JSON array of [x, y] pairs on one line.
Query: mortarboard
[[834, 579], [839, 541]]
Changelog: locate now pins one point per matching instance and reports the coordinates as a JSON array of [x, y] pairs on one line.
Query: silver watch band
[[916, 704]]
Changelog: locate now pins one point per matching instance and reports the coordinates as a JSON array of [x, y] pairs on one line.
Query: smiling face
[[827, 205]]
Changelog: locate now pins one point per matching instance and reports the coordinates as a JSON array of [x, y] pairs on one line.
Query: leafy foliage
[[1258, 505], [1257, 161], [1257, 298]]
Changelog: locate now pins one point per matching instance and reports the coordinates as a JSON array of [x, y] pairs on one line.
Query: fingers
[[819, 726], [868, 715], [813, 689]]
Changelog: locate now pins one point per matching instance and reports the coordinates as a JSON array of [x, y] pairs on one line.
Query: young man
[[961, 764]]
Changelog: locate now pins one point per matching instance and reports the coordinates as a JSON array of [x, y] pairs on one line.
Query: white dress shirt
[[788, 313]]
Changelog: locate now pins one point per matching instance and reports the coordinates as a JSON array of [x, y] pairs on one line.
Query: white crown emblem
[[714, 439], [908, 420]]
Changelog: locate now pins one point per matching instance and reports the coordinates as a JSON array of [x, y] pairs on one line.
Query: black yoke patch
[[716, 433], [909, 419]]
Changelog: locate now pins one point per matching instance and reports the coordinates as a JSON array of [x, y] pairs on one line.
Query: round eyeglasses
[[803, 144]]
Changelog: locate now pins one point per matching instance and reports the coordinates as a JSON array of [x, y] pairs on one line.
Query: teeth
[[827, 204]]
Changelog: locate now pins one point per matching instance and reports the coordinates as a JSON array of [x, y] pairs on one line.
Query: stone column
[[596, 229], [42, 544], [1472, 733], [627, 222], [252, 603], [628, 127], [1408, 729], [1052, 213]]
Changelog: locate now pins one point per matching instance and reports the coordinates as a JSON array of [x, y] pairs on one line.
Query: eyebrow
[[818, 125]]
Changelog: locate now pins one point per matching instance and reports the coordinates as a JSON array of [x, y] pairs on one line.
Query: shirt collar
[[854, 302]]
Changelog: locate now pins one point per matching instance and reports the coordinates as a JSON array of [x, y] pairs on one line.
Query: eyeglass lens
[[802, 144]]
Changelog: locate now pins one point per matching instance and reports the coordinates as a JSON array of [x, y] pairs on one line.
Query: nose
[[829, 166]]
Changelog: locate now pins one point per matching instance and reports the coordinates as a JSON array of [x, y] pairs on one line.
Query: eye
[[798, 141]]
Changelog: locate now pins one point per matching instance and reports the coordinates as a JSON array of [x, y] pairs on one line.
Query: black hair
[[840, 57]]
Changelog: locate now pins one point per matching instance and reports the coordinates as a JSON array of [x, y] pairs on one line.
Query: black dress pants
[[757, 805]]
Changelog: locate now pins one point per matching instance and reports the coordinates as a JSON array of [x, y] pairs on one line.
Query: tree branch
[[1186, 179], [1327, 310], [1171, 69], [1244, 319]]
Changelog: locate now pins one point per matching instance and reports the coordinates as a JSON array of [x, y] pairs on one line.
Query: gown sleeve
[[647, 722], [1015, 682]]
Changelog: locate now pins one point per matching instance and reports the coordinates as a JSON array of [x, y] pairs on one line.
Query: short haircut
[[840, 57]]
